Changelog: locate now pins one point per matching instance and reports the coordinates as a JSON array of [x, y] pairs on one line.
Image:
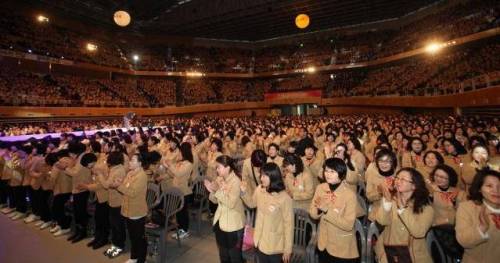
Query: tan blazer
[[7, 167], [410, 159], [373, 179], [469, 171], [212, 165], [62, 182], [81, 175], [27, 164], [182, 173], [96, 186], [359, 161], [16, 168], [405, 229], [116, 174], [36, 172], [445, 205], [477, 248], [134, 190], [455, 162], [278, 160], [315, 168], [336, 231], [273, 232], [231, 148], [230, 212], [301, 188], [248, 177]]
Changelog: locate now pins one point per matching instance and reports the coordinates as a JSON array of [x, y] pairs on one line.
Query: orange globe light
[[122, 18], [302, 21]]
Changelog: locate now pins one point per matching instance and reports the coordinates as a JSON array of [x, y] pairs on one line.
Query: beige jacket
[[301, 188], [116, 174], [230, 213], [134, 190], [336, 231], [404, 228], [478, 248], [248, 177], [182, 173], [274, 223]]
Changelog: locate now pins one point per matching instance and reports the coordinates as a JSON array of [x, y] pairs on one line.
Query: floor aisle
[[22, 243]]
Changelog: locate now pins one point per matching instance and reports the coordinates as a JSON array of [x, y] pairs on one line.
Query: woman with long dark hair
[[273, 232], [407, 215], [229, 218], [454, 154], [181, 173], [334, 204], [478, 220], [250, 173]]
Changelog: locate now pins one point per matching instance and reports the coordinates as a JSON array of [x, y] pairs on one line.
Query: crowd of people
[[21, 34], [419, 173]]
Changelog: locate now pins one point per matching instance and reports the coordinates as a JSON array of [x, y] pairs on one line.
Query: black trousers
[[263, 258], [43, 200], [325, 257], [138, 242], [34, 196], [80, 209], [20, 198], [62, 219], [117, 222], [101, 218], [4, 191], [229, 245], [183, 215]]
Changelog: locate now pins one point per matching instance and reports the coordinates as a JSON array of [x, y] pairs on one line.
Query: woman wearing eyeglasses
[[478, 220], [334, 205], [378, 175], [445, 197], [407, 216]]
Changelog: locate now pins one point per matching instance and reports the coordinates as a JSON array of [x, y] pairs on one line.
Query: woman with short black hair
[[334, 204]]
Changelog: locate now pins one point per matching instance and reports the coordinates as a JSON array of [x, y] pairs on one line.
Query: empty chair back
[[361, 240], [303, 229], [371, 238], [153, 195], [200, 192], [435, 248], [173, 201]]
